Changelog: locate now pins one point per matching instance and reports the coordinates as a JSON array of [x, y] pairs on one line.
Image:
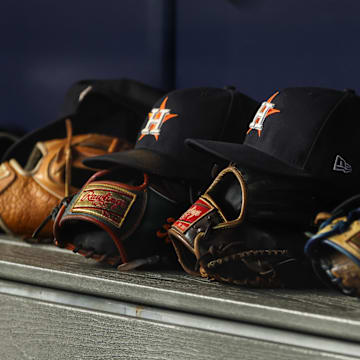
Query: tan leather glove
[[54, 170]]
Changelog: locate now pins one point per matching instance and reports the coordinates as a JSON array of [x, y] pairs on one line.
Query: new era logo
[[341, 165]]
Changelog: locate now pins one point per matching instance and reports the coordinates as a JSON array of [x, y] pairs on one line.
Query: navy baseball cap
[[203, 112], [113, 107], [304, 131]]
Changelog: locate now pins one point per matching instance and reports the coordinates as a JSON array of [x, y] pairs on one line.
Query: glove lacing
[[68, 160], [221, 249]]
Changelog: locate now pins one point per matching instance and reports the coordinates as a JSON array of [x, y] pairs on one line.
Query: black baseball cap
[[304, 131], [203, 112], [114, 107]]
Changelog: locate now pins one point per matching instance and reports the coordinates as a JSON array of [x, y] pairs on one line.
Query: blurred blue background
[[256, 45]]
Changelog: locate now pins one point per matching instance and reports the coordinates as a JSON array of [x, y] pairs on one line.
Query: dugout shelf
[[59, 305]]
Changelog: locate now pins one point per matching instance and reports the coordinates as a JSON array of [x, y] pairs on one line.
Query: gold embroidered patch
[[107, 201]]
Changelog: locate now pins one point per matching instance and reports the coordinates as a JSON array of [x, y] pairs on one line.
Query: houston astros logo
[[266, 109], [157, 117]]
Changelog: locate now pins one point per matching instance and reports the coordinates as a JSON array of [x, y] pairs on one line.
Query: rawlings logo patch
[[107, 201], [266, 109], [197, 211], [157, 118]]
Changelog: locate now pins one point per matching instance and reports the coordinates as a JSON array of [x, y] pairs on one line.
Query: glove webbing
[[68, 166]]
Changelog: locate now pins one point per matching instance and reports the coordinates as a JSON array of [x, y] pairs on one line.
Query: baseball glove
[[248, 229], [335, 249], [121, 217], [54, 169]]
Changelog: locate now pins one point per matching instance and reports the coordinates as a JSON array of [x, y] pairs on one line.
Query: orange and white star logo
[[157, 117], [266, 109]]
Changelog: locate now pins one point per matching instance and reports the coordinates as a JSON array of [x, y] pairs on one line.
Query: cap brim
[[144, 160], [21, 149], [141, 159], [244, 155]]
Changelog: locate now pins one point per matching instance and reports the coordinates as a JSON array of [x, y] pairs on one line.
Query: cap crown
[[206, 113], [312, 129]]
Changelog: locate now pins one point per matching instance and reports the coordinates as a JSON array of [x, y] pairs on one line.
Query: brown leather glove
[[121, 217], [54, 170], [248, 229]]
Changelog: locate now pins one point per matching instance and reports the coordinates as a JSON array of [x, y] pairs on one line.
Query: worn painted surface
[[39, 330], [318, 312]]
